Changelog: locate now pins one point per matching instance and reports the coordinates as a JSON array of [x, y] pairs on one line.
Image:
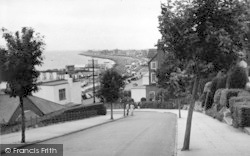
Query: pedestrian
[[127, 108], [132, 107], [139, 105]]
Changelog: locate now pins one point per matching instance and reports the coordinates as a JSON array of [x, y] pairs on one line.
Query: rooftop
[[9, 105], [54, 83]]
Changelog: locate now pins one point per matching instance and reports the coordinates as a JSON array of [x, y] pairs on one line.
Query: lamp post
[[93, 65]]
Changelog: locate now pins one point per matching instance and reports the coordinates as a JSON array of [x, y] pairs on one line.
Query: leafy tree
[[3, 57], [24, 52], [111, 86], [207, 35], [173, 78]]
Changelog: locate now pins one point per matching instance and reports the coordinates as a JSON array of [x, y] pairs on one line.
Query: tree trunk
[[124, 107], [111, 111], [179, 107], [189, 117], [23, 119]]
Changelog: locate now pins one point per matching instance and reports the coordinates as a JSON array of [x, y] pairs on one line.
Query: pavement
[[208, 135]]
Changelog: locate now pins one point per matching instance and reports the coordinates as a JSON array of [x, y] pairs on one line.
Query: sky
[[86, 24]]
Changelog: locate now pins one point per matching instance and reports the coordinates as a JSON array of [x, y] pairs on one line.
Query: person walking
[[127, 108], [139, 105], [132, 107]]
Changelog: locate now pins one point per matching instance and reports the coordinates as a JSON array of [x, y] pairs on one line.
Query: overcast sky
[[86, 24]]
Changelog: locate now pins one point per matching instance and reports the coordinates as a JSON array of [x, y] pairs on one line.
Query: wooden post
[[93, 64]]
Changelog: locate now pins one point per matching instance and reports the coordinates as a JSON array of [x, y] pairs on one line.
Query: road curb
[[39, 141]]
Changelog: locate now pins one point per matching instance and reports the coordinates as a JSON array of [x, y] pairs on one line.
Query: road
[[144, 134]]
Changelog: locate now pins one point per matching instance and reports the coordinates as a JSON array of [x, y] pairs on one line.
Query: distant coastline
[[60, 59], [120, 62]]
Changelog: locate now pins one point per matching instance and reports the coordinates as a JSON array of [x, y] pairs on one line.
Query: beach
[[120, 61], [59, 59]]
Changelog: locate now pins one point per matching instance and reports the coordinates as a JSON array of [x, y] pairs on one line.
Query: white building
[[138, 92], [145, 79], [46, 76], [60, 91]]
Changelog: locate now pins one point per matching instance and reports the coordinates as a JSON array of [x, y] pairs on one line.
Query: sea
[[60, 59]]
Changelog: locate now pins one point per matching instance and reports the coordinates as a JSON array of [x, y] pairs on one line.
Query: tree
[[3, 57], [111, 86], [24, 52], [173, 78], [207, 35]]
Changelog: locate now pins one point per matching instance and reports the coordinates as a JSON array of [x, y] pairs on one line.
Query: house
[[148, 87], [62, 91], [154, 63], [34, 106]]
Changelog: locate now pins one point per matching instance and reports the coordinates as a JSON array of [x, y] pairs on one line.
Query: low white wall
[[138, 93]]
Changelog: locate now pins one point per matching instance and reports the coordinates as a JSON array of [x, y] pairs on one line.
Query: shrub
[[238, 78], [155, 104], [221, 82], [143, 99], [217, 96], [102, 110], [211, 112]]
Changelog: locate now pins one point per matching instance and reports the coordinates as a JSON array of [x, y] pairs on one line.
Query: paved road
[[144, 134]]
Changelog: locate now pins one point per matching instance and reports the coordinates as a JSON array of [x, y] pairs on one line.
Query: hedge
[[159, 105], [78, 112]]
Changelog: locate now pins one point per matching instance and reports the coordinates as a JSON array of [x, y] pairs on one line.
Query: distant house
[[155, 62], [149, 89], [63, 91], [34, 106]]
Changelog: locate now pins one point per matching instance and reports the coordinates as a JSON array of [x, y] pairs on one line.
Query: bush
[[217, 96], [238, 78], [75, 113], [102, 110], [157, 105], [211, 112], [221, 82], [143, 99]]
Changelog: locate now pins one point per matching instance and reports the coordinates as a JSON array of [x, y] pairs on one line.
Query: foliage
[[3, 58], [159, 105], [221, 82], [205, 35], [76, 113], [143, 99], [238, 78], [24, 52], [173, 78], [125, 96], [111, 85]]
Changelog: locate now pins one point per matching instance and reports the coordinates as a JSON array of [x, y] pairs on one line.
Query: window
[[152, 96], [62, 94], [51, 76], [44, 76], [153, 78], [153, 65]]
